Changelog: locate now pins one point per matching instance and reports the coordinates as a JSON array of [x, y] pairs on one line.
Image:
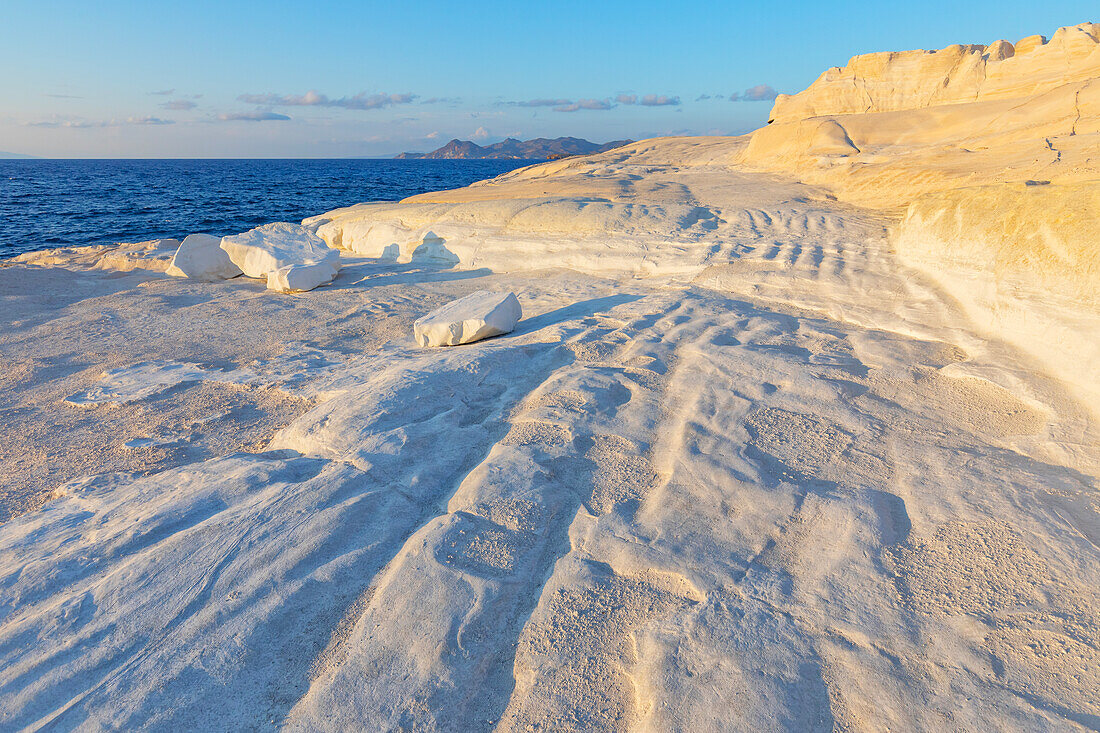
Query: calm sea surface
[[56, 203]]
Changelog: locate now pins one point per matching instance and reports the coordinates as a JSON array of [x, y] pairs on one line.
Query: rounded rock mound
[[274, 246]]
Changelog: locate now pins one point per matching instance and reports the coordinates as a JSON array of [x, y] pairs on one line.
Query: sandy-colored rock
[[914, 122], [1038, 230], [155, 255], [958, 74]]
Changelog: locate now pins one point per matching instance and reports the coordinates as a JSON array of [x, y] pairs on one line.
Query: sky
[[353, 78]]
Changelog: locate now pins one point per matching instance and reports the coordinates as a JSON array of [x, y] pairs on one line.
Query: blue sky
[[333, 79]]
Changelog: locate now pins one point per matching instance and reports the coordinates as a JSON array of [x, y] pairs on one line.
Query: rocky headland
[[790, 431]]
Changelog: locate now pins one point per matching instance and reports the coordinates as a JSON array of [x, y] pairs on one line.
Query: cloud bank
[[313, 98], [649, 100], [600, 105], [588, 104], [543, 103], [252, 117], [76, 124]]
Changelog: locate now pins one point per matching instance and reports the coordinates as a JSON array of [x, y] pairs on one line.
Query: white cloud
[[758, 93], [564, 105], [481, 134], [586, 104], [659, 100], [180, 105], [543, 103]]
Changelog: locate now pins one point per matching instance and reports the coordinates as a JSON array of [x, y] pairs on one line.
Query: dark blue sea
[[57, 203]]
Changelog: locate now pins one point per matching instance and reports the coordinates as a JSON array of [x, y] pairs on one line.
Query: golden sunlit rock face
[[890, 126], [958, 74]]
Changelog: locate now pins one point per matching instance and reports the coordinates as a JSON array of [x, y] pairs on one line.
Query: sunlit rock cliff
[[890, 126]]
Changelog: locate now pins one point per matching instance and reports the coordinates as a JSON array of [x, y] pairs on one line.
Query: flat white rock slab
[[154, 254], [298, 278], [472, 318], [272, 246], [200, 257], [130, 384]]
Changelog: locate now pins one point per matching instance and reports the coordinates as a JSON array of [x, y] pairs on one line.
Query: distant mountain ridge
[[513, 149], [4, 155]]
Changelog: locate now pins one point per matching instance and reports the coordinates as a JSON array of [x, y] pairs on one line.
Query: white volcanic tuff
[[889, 127], [200, 257], [299, 278], [471, 318], [793, 491], [958, 74], [1024, 262], [273, 246], [129, 384], [664, 505], [154, 255], [651, 221]]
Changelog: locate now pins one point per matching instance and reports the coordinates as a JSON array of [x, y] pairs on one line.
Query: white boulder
[[472, 318], [200, 257], [296, 278], [273, 246]]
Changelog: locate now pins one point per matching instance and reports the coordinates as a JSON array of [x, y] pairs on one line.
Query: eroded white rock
[[297, 278], [273, 246], [200, 257], [154, 255], [472, 318]]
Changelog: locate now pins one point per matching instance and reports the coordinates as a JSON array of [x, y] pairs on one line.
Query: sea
[[62, 203]]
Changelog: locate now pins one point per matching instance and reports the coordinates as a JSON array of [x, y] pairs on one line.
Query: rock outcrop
[[888, 127], [958, 74], [1023, 261], [200, 257], [153, 255], [280, 245]]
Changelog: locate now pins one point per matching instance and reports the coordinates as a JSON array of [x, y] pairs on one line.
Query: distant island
[[14, 156], [511, 149]]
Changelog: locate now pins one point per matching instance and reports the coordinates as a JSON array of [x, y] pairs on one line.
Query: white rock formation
[[472, 318], [200, 257], [958, 74], [154, 255], [298, 278], [273, 246], [783, 481], [888, 127], [1023, 262]]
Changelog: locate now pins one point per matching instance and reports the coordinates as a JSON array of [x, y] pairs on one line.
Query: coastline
[[747, 456]]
